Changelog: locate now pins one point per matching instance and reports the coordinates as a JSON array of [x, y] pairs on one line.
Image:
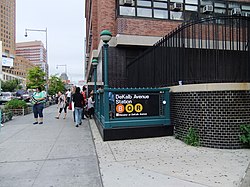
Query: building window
[[180, 9], [145, 3], [162, 14], [127, 11], [144, 12]]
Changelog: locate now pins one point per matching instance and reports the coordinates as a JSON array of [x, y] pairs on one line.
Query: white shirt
[[90, 103]]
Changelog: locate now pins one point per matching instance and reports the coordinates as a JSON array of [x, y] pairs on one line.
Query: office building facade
[[8, 25], [7, 35], [35, 52]]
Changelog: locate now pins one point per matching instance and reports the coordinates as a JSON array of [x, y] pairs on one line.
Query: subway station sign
[[137, 104]]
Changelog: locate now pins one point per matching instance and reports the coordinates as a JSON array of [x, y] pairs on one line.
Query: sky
[[65, 23]]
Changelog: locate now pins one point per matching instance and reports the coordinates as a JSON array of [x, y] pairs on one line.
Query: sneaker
[[41, 123], [35, 123], [77, 126], [57, 117], [80, 123], [2, 125]]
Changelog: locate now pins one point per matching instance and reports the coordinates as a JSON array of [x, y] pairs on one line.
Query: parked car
[[6, 96], [26, 97]]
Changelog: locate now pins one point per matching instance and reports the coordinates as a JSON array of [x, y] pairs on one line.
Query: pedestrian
[[78, 106], [73, 90], [68, 94], [62, 105], [38, 99], [91, 108], [84, 90]]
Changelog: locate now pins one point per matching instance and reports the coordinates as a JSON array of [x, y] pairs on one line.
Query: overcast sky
[[65, 22]]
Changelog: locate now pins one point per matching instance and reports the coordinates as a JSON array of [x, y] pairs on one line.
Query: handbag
[[70, 106]]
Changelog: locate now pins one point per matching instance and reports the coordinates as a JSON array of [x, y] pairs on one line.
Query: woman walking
[[38, 99], [91, 109], [78, 106], [62, 105]]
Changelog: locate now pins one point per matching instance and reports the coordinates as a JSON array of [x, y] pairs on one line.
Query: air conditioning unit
[[177, 6], [236, 11], [208, 8], [127, 2]]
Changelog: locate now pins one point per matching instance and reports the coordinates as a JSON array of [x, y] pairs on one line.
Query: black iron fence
[[209, 50]]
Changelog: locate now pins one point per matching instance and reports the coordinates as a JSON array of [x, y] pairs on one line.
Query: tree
[[9, 86], [36, 78], [55, 85]]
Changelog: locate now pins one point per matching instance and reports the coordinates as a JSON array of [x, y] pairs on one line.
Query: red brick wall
[[145, 27]]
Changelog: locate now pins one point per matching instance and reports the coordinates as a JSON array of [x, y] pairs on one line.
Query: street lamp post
[[106, 37], [40, 30], [46, 31], [95, 63]]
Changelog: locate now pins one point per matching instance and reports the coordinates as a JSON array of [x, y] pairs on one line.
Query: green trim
[[106, 32]]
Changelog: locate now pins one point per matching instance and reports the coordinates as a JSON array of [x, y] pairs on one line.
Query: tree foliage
[[55, 85], [35, 78], [9, 86]]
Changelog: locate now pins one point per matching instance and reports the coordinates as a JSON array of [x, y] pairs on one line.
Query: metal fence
[[209, 50]]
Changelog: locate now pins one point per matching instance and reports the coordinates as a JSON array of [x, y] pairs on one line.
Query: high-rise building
[[8, 27], [35, 52], [138, 24], [7, 35]]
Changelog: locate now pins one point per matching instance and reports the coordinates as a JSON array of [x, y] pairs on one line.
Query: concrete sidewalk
[[59, 154], [167, 162], [53, 154]]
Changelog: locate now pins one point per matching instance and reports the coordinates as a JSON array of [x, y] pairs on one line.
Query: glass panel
[[191, 8], [176, 1], [127, 11], [244, 7], [163, 14], [176, 15], [191, 15], [144, 12], [160, 5], [204, 2], [163, 0], [144, 3], [234, 5], [193, 2], [220, 10], [221, 5]]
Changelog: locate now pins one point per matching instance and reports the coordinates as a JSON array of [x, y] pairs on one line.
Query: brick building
[[138, 24], [215, 108]]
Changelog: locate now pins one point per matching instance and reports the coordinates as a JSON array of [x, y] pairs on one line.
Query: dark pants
[[91, 112], [65, 109], [38, 110], [83, 112]]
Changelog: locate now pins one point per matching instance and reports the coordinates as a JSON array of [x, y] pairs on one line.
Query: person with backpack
[[78, 106]]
